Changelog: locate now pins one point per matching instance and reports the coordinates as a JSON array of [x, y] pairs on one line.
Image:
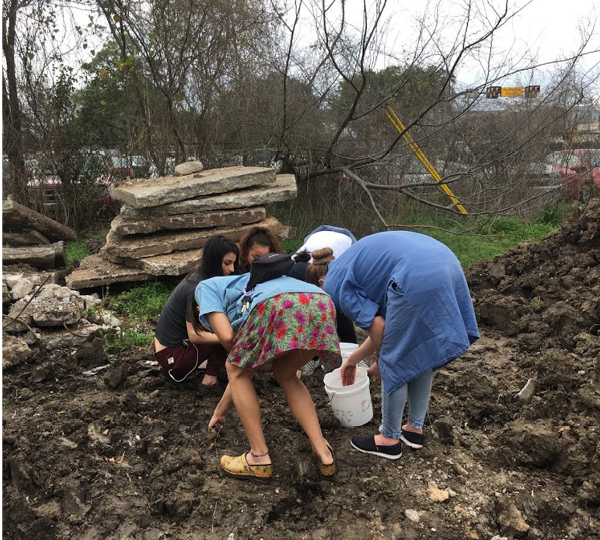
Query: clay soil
[[123, 455]]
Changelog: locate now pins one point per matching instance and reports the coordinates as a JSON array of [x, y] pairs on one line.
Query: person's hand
[[216, 422], [373, 371], [348, 373]]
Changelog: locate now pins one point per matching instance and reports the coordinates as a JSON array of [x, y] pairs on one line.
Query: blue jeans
[[392, 405]]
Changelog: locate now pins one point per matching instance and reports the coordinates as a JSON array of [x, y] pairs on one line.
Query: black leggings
[[345, 328]]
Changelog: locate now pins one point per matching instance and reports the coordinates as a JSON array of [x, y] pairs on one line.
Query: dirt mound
[[512, 447]]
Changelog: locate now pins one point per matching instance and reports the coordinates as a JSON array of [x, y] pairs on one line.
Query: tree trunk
[[11, 110]]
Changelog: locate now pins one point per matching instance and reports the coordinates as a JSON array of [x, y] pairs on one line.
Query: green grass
[[473, 239], [142, 303], [77, 250], [138, 309]]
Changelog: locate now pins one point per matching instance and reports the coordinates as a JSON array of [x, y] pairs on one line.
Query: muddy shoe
[[238, 467], [326, 471], [412, 439], [366, 444]]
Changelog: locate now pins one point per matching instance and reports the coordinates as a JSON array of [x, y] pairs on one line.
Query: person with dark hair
[[180, 343], [286, 323], [409, 292], [256, 242]]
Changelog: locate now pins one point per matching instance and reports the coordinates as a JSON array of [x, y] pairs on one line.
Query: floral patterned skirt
[[288, 321]]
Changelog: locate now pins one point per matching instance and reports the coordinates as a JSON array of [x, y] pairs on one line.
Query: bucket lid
[[344, 345], [333, 379]]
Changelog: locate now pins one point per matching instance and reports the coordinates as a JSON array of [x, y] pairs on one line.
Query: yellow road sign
[[514, 91]]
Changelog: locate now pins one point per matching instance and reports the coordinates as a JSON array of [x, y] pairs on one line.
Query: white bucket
[[351, 405], [347, 349]]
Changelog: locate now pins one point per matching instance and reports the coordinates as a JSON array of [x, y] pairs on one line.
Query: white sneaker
[[363, 365], [310, 367]]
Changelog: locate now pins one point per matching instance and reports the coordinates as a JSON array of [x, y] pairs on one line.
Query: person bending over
[[288, 322], [409, 291]]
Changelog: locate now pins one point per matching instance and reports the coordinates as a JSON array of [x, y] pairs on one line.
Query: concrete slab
[[180, 263], [177, 263], [52, 256], [164, 190], [199, 220], [24, 238], [17, 216], [118, 248], [94, 271], [283, 189]]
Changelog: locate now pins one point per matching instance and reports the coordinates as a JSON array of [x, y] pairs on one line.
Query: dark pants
[[179, 362], [345, 328]]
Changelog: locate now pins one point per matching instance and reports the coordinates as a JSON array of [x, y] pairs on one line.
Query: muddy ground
[[123, 455]]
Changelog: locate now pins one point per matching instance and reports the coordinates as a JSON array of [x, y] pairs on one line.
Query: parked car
[[574, 170]]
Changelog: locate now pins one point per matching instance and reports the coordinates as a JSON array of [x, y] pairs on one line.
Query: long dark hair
[[261, 236], [213, 253], [211, 265]]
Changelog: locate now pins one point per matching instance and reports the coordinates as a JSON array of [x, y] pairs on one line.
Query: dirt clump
[[121, 454]]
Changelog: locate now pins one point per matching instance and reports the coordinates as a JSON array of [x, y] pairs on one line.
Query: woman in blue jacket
[[409, 291], [287, 323]]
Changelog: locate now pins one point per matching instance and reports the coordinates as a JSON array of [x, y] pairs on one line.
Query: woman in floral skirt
[[289, 322]]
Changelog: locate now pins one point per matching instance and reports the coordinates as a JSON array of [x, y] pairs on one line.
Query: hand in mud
[[348, 373], [373, 371], [216, 423]]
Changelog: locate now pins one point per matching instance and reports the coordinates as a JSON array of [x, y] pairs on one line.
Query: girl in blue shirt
[[288, 322], [409, 292]]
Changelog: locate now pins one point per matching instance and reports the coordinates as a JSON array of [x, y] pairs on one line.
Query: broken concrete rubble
[[157, 191], [165, 222], [15, 351], [51, 317]]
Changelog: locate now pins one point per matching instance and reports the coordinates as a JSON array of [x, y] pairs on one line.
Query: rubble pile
[[164, 222], [44, 315]]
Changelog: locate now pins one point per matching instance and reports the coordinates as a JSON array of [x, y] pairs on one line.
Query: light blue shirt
[[224, 294]]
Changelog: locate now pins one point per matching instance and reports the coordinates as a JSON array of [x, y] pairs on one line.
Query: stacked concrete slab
[[31, 238], [165, 222]]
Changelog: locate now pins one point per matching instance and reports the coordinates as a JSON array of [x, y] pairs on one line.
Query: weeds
[[77, 250], [138, 309]]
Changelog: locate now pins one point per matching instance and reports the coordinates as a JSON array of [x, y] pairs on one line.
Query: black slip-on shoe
[[412, 439], [366, 444]]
